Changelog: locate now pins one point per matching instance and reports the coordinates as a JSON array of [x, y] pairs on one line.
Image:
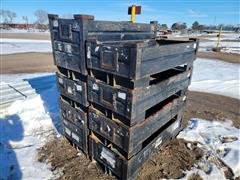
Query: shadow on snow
[[11, 129], [45, 86]]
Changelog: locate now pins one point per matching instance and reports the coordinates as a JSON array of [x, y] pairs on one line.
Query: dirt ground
[[77, 166], [26, 36], [210, 106], [74, 164], [232, 58], [169, 162], [27, 63]]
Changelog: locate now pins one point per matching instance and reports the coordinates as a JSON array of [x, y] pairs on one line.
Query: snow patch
[[227, 47], [26, 126], [216, 77], [12, 46], [213, 136], [30, 31], [231, 50], [223, 44]]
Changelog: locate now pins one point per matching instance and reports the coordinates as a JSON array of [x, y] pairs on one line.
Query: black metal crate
[[130, 140], [138, 103], [74, 123], [105, 155], [77, 136], [74, 112], [69, 35], [141, 58], [74, 88]]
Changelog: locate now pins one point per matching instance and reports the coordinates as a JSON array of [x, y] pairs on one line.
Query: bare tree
[[3, 16], [11, 15], [7, 16], [41, 16]]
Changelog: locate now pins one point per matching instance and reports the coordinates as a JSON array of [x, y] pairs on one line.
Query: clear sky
[[164, 11]]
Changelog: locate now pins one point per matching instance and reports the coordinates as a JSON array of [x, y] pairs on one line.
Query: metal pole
[[219, 36]]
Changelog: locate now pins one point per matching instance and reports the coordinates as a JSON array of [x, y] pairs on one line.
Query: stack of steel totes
[[122, 90]]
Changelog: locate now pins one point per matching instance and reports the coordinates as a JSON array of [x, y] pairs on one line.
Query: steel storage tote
[[138, 59], [69, 35], [127, 169], [130, 140]]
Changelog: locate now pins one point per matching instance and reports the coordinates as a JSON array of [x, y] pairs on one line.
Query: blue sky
[[163, 11]]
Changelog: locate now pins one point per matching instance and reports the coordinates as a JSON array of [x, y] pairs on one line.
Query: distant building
[[23, 26]]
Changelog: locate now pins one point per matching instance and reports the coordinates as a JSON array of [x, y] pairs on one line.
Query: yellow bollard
[[133, 14]]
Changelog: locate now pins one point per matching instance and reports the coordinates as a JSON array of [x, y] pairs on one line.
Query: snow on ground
[[216, 77], [225, 36], [37, 31], [227, 47], [218, 139], [12, 46], [223, 44], [25, 127], [231, 50], [231, 35], [19, 77]]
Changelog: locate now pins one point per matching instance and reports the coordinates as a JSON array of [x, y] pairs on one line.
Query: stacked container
[[122, 91]]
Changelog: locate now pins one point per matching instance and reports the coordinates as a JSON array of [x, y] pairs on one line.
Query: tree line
[[8, 16], [196, 26]]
